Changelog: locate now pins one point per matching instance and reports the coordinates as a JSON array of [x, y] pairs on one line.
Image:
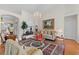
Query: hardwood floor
[[2, 49], [71, 47]]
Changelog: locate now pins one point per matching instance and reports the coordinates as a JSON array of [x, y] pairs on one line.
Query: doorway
[[70, 27], [9, 22]]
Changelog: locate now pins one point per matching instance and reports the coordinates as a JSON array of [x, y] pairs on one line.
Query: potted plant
[[24, 26]]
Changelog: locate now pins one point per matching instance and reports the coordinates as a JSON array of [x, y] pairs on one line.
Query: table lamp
[[59, 33]]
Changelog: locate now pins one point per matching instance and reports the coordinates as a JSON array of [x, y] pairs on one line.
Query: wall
[[24, 17], [4, 12], [58, 14], [78, 27], [30, 19], [73, 10]]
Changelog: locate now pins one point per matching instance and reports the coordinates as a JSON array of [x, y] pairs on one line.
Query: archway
[[9, 21]]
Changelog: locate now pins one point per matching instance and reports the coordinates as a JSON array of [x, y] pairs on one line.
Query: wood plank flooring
[[2, 49], [71, 47]]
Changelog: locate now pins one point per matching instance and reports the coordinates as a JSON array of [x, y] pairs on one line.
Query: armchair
[[13, 48]]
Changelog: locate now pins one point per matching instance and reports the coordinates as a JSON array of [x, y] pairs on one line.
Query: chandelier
[[38, 14]]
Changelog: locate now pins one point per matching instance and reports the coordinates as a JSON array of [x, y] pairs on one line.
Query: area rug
[[47, 49]]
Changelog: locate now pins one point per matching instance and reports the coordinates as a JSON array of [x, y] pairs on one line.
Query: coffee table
[[37, 44]]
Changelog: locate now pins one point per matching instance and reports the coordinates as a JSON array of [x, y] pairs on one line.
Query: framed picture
[[48, 24]]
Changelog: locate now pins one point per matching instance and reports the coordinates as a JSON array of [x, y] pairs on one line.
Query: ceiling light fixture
[[37, 14]]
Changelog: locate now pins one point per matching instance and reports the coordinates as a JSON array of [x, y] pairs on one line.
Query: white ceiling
[[17, 8], [32, 8]]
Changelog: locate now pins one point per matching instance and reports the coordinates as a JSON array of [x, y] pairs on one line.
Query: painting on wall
[[48, 24]]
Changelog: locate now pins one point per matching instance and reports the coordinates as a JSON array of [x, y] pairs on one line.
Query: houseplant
[[24, 26]]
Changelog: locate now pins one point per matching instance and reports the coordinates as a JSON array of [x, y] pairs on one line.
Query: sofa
[[49, 34]]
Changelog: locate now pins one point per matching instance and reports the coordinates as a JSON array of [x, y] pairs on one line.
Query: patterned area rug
[[47, 49]]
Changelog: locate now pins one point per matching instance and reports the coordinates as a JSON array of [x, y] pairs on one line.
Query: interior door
[[70, 27]]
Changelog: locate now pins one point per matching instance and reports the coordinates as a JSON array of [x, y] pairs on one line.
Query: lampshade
[[59, 32]]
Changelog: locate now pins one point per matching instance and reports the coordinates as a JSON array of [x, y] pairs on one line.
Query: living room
[[39, 29]]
